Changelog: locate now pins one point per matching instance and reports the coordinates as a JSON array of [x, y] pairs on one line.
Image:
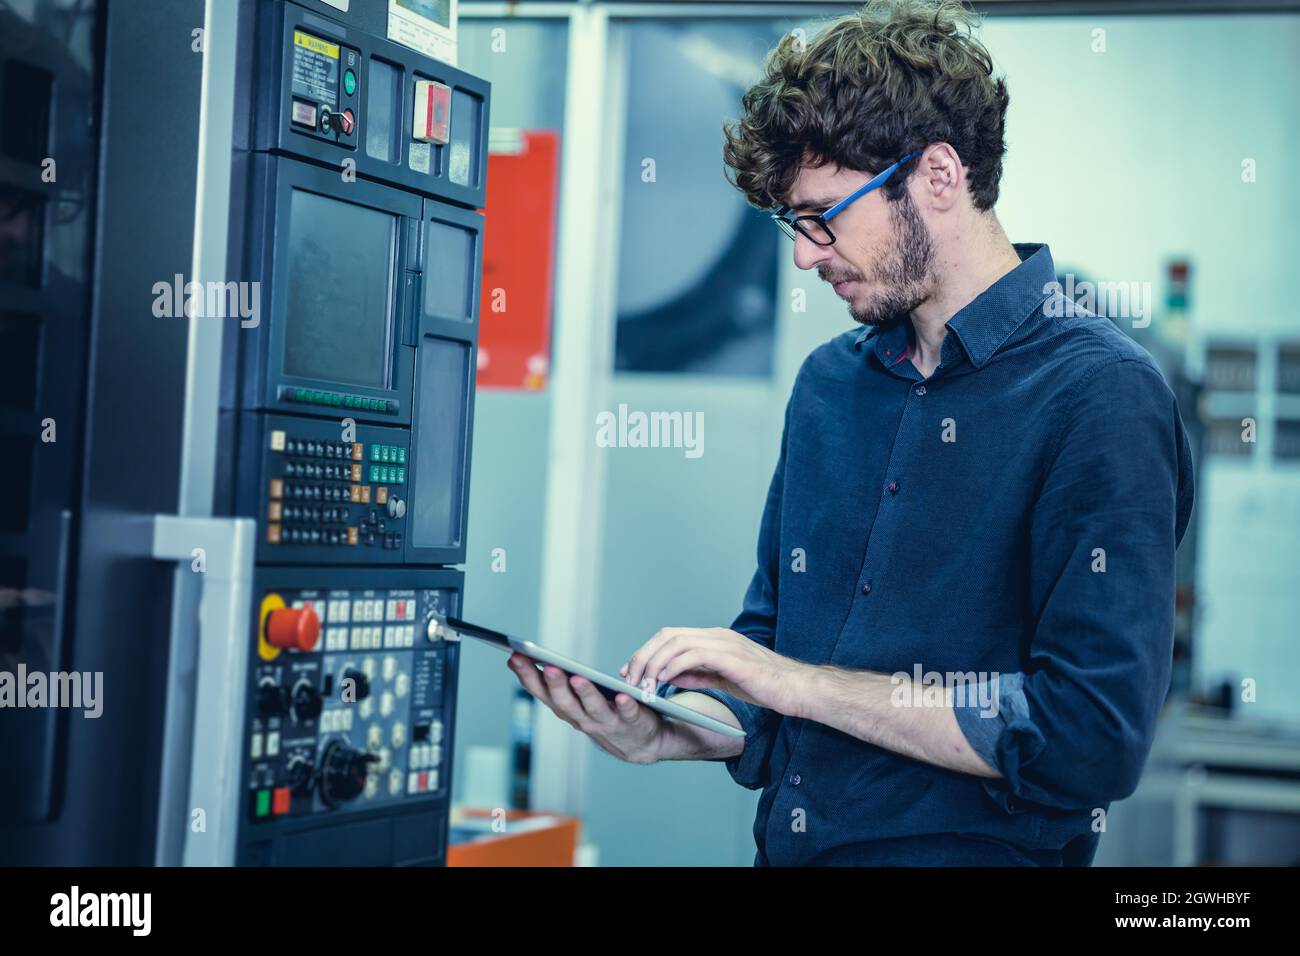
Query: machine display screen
[[338, 326]]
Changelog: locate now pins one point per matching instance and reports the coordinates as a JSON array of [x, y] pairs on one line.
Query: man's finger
[[634, 670], [677, 644], [593, 701], [562, 700], [530, 678], [705, 660], [628, 709]]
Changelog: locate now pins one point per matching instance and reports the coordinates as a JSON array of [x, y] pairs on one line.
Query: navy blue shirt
[[1010, 521]]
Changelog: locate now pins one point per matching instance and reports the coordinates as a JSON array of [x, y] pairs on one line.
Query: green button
[[350, 82], [400, 476], [317, 397], [374, 453], [300, 394], [348, 400], [263, 802], [401, 456], [374, 473]]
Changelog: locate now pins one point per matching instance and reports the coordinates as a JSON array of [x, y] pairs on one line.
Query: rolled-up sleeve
[[1074, 729], [757, 621]]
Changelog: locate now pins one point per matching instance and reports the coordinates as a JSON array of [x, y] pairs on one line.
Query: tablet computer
[[607, 684]]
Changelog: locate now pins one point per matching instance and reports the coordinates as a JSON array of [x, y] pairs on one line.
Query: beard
[[904, 273]]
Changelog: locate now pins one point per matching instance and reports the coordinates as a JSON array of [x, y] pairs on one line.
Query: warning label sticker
[[315, 69]]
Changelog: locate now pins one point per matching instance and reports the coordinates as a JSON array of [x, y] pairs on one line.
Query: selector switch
[[272, 700], [293, 628], [307, 702], [396, 507]]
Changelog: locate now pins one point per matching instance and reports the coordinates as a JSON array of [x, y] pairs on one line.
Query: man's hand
[[621, 727], [697, 657]]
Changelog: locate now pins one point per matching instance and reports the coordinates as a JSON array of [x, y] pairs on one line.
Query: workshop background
[[1147, 148]]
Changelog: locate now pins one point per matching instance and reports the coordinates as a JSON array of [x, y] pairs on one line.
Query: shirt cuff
[[994, 717], [749, 767]]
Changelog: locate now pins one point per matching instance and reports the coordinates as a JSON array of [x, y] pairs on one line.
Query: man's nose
[[808, 254]]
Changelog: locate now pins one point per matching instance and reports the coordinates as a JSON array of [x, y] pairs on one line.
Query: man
[[959, 635]]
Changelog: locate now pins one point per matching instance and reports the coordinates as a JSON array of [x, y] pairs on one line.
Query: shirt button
[[866, 588], [893, 487], [795, 779], [920, 390]]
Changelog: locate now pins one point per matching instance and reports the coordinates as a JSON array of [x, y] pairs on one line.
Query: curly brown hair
[[874, 85]]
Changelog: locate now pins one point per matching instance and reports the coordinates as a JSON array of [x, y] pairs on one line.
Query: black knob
[[343, 773], [306, 702], [300, 774], [272, 700], [360, 684]]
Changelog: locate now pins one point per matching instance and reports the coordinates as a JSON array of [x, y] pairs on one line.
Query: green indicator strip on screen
[[310, 396]]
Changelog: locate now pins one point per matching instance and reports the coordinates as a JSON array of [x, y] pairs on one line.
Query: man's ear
[[940, 176]]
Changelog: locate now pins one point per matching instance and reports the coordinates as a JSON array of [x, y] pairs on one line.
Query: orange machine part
[[551, 846], [293, 628]]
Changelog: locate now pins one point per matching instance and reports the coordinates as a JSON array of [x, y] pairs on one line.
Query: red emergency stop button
[[293, 628], [280, 801], [349, 122]]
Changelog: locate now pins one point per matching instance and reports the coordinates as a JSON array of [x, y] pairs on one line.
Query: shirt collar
[[984, 324]]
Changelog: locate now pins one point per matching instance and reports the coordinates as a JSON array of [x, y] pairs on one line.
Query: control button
[[358, 689], [395, 782], [255, 750], [307, 704], [273, 743], [347, 123], [263, 803], [272, 700], [293, 628], [386, 704], [343, 773], [280, 801], [300, 774], [402, 686], [349, 82], [398, 735]]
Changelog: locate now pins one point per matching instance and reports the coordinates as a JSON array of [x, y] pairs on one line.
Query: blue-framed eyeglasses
[[815, 227]]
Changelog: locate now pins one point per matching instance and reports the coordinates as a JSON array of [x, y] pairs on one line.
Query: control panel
[[331, 492], [324, 89], [350, 409], [350, 700]]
